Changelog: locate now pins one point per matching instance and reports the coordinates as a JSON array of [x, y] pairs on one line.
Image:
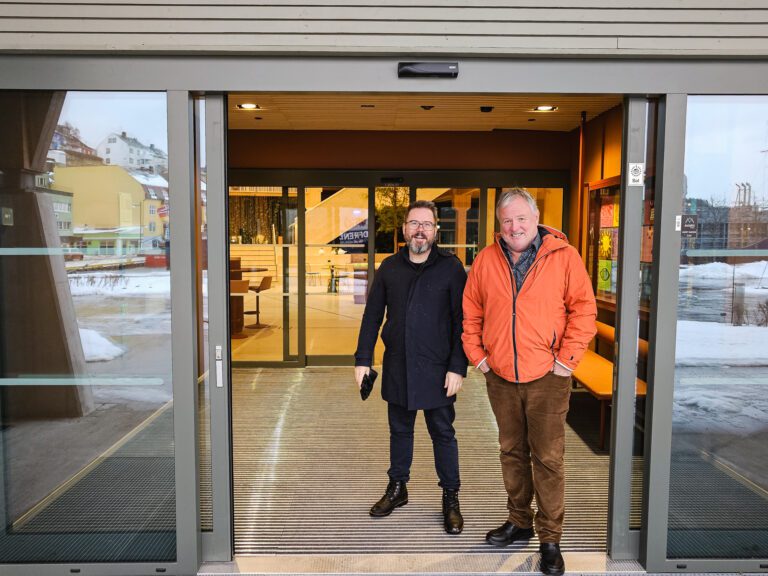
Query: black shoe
[[508, 533], [551, 560], [395, 496], [452, 519]]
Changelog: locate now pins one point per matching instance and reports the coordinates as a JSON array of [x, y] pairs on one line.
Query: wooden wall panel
[[460, 27]]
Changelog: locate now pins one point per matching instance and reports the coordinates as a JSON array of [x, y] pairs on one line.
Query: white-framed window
[[153, 210], [109, 161], [109, 150], [152, 226], [112, 140]]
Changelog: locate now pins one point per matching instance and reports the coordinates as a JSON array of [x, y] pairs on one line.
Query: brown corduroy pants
[[531, 420]]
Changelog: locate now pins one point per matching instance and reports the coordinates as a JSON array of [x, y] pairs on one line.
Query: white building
[[128, 152]]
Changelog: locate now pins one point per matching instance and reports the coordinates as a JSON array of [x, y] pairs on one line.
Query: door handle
[[219, 368]]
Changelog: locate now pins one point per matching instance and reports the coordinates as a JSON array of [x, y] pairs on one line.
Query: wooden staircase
[[259, 256]]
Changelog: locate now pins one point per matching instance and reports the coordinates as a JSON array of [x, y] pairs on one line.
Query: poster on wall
[[604, 273]]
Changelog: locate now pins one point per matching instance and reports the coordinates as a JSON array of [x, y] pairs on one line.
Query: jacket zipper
[[515, 294]]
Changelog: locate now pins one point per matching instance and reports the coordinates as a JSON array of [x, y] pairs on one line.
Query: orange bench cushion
[[595, 373]]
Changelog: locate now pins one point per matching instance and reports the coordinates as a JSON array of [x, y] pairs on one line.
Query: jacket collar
[[434, 253]]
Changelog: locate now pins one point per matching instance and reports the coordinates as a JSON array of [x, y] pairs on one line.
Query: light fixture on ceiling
[[249, 106], [545, 108], [367, 105], [486, 109], [426, 107]]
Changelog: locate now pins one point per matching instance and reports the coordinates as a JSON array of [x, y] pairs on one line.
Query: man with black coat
[[421, 289]]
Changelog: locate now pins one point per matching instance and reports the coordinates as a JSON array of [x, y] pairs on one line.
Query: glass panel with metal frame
[[86, 436], [262, 234], [336, 261], [718, 493], [201, 281]]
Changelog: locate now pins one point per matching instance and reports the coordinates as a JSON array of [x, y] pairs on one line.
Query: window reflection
[[85, 342], [719, 478]]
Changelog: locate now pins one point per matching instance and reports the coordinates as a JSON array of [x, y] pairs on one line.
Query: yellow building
[[112, 212]]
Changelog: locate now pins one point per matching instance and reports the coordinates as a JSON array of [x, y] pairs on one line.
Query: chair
[[265, 284]]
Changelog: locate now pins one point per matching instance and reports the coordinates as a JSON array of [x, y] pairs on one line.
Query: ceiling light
[[545, 108], [426, 107], [248, 106], [486, 108], [367, 105]]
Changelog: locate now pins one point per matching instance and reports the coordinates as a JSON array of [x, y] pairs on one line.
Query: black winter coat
[[422, 334]]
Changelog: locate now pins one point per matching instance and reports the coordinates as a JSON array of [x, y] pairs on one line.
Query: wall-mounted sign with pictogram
[[690, 226]]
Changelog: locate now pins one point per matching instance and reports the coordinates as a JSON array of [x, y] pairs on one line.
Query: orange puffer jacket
[[551, 317]]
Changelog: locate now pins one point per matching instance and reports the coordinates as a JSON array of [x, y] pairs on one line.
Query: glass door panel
[[718, 488], [263, 236], [87, 457], [336, 268]]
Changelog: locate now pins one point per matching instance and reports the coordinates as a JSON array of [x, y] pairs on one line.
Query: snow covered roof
[[147, 179]]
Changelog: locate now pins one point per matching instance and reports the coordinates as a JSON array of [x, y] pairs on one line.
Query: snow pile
[[97, 348], [716, 344], [718, 406]]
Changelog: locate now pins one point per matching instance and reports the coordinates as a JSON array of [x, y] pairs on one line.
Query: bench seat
[[595, 374]]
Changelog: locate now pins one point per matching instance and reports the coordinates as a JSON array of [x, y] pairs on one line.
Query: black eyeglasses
[[414, 225]]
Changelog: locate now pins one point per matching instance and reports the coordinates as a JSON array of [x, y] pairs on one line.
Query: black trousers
[[444, 445]]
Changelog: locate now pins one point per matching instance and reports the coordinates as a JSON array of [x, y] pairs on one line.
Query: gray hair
[[509, 194]]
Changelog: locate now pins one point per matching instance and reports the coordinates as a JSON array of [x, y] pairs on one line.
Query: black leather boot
[[395, 496], [551, 559], [508, 533], [452, 519]]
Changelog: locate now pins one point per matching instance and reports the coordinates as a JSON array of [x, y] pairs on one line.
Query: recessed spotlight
[[486, 108], [257, 118], [248, 106], [545, 108], [531, 119], [426, 107], [367, 105]]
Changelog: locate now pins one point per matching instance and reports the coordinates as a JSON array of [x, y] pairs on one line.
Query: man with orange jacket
[[529, 314]]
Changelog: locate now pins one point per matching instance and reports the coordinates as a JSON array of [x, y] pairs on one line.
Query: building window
[[109, 161], [109, 150], [112, 140], [152, 227], [152, 210]]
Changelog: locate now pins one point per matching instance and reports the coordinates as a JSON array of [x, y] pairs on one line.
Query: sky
[[724, 139], [97, 114]]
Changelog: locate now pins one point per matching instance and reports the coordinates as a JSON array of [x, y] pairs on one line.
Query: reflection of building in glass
[[741, 225], [114, 211], [68, 149], [128, 152]]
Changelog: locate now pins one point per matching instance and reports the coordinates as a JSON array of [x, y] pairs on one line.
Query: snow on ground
[[718, 344], [740, 409], [97, 348]]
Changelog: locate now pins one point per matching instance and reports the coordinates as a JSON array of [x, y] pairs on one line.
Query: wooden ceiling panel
[[312, 111]]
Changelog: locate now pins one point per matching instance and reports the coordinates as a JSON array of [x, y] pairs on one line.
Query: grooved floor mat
[[310, 458]]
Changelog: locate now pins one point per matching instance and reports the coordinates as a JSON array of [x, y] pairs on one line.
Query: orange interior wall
[[394, 150]]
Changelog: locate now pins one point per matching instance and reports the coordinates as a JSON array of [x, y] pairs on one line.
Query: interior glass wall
[[263, 273], [87, 467], [718, 493], [336, 252]]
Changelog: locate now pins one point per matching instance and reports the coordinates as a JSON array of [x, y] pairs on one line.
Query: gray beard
[[419, 249]]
